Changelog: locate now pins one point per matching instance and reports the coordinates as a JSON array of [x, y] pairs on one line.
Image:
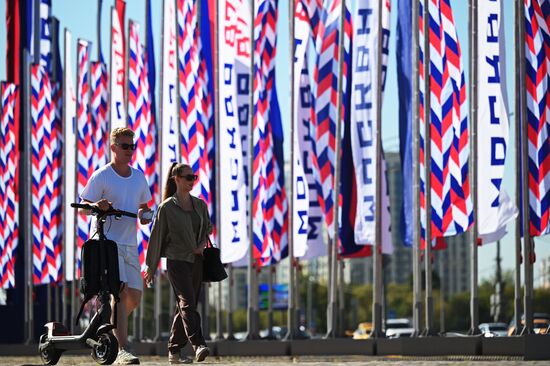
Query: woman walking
[[180, 233]]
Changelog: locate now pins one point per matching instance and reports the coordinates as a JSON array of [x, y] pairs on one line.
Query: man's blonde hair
[[121, 131]]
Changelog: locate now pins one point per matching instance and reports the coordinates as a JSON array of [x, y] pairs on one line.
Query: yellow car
[[541, 323], [363, 331]]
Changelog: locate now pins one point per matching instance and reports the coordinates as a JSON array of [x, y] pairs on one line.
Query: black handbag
[[212, 267]]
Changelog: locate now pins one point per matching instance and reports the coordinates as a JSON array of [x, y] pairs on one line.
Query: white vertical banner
[[69, 163], [242, 73], [117, 106], [363, 113], [233, 235], [316, 246], [170, 147], [302, 113], [494, 208]]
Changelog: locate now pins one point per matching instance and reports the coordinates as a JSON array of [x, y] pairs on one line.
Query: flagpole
[[417, 268], [291, 320], [252, 313], [428, 331], [473, 48], [64, 317], [527, 241], [377, 331], [517, 122], [27, 211], [28, 172], [230, 335], [331, 308]]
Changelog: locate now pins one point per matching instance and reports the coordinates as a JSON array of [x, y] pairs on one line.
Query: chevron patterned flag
[[118, 66], [56, 143], [100, 96], [41, 170], [139, 121], [193, 120], [270, 207], [135, 67], [9, 201], [206, 75], [84, 140], [537, 54], [313, 10], [326, 95], [452, 211], [151, 153]]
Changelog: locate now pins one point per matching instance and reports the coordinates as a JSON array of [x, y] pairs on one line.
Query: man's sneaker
[[201, 353], [126, 358], [175, 358]]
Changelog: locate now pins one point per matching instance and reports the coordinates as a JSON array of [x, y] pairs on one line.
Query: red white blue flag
[[326, 96], [100, 96], [9, 202], [117, 107], [140, 121], [270, 207], [451, 209], [84, 140], [46, 267], [194, 120], [537, 54]]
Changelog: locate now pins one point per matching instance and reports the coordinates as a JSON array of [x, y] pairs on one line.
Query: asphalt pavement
[[304, 360]]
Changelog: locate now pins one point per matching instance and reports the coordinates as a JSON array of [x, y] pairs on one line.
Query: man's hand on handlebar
[[102, 204]]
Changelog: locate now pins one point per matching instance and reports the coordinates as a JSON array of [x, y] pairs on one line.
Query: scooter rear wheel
[[49, 355], [106, 353]]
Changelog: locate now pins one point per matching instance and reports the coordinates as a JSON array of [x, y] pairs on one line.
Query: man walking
[[119, 185]]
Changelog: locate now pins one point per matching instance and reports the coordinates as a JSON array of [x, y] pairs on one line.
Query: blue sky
[[80, 18]]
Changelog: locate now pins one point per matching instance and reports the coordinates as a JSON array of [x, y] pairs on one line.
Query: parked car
[[494, 329], [541, 322], [363, 330], [397, 328], [279, 333]]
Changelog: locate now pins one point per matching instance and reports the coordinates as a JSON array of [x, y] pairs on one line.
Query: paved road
[[309, 361]]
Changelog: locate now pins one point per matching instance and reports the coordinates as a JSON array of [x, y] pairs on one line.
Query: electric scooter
[[98, 334]]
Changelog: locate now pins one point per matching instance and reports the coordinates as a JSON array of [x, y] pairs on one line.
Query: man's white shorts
[[128, 266]]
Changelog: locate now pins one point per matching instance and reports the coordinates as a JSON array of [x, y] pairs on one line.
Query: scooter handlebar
[[96, 211]]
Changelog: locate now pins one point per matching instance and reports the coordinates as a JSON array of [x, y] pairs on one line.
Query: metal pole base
[[331, 326], [429, 332], [526, 330], [251, 336], [377, 334], [474, 331]]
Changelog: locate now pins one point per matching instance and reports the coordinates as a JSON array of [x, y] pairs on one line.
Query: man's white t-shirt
[[125, 193]]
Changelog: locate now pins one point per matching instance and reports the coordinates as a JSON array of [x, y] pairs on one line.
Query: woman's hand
[[198, 250], [148, 277]]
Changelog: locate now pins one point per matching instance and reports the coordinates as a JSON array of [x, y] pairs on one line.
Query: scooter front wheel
[[106, 352], [49, 355]]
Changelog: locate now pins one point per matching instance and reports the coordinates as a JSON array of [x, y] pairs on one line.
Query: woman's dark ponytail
[[170, 187]]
